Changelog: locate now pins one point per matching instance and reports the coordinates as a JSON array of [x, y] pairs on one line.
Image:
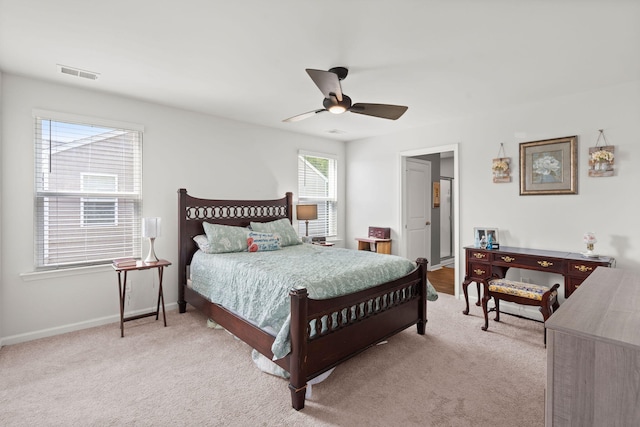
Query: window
[[95, 212], [317, 184], [88, 196]]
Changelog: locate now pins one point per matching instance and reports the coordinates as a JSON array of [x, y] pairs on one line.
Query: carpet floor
[[189, 375]]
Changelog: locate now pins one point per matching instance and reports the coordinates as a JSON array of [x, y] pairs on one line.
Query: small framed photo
[[483, 235], [549, 166]]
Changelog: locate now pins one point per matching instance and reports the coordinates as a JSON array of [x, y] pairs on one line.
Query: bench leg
[[497, 301]]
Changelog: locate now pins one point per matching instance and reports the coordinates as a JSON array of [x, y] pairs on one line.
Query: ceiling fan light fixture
[[337, 107]]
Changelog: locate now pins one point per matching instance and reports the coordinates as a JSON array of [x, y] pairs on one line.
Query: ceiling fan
[[337, 102]]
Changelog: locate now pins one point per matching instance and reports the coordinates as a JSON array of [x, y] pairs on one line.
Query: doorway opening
[[441, 216]]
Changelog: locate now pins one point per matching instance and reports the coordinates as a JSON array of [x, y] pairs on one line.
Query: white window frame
[[330, 199], [44, 194]]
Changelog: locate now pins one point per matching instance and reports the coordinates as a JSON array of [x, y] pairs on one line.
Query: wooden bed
[[401, 303]]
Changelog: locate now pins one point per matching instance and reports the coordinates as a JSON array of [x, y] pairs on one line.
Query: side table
[[382, 246], [122, 282]]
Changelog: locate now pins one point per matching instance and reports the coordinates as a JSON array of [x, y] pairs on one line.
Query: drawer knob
[[508, 259], [545, 263], [582, 268], [478, 255], [479, 272]]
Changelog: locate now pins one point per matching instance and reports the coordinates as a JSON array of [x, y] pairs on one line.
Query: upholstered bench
[[526, 294]]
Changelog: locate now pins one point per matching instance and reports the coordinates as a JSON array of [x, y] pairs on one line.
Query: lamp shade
[[307, 212], [589, 238], [151, 227]]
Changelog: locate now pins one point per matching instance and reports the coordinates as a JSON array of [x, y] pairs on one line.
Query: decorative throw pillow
[[281, 227], [203, 243], [225, 238], [262, 242]]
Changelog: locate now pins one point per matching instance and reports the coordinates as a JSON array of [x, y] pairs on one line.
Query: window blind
[[318, 184], [88, 195]]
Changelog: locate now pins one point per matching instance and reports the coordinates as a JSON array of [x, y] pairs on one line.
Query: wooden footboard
[[325, 333]]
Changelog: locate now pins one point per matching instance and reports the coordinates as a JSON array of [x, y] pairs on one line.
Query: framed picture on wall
[[549, 166], [481, 236], [436, 194]]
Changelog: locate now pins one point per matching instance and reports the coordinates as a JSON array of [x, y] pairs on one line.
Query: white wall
[[209, 156], [608, 206]]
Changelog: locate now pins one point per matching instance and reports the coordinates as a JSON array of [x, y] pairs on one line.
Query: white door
[[418, 209]]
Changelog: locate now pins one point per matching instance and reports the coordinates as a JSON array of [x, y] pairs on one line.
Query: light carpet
[[188, 374]]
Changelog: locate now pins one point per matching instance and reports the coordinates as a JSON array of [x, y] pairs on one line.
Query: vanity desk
[[484, 264]]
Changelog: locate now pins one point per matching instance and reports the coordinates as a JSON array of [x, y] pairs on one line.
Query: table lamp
[[306, 213], [151, 230], [589, 239]]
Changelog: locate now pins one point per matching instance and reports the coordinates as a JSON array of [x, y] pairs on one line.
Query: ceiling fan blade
[[327, 81], [303, 116], [385, 111]]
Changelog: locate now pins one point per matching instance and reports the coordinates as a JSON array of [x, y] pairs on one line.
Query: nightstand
[[323, 243], [122, 281], [381, 246]]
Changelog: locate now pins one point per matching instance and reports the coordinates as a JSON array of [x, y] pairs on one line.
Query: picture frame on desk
[[480, 232], [549, 166]]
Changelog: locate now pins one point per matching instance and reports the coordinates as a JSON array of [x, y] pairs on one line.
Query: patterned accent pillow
[[225, 238], [203, 243], [281, 227], [262, 242]]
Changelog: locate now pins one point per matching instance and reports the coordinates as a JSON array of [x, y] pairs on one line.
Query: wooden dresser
[[593, 353]]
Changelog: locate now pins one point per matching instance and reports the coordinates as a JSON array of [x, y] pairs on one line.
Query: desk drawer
[[479, 271], [475, 256], [582, 268], [551, 265]]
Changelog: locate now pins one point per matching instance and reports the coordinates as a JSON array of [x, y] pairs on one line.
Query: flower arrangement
[[500, 165], [602, 156]]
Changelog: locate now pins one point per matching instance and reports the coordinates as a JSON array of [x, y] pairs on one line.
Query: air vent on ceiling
[[78, 72], [336, 131]]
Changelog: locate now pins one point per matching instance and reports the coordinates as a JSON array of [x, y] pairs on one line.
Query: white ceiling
[[246, 59]]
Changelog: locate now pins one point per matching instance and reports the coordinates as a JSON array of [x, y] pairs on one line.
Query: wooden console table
[[593, 354], [485, 264]]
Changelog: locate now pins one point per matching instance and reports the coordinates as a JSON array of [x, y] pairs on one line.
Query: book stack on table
[[124, 262]]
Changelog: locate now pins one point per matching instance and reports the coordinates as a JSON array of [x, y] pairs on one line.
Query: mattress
[[256, 285]]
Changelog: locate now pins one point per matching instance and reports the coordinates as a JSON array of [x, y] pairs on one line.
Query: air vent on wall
[[78, 72]]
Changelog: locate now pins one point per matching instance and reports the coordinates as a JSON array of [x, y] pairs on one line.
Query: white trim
[[402, 159], [71, 327], [317, 154], [31, 276], [76, 118]]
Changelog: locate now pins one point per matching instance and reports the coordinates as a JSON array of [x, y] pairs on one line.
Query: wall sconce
[[151, 230], [307, 213]]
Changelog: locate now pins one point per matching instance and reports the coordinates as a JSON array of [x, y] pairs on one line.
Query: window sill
[[63, 272]]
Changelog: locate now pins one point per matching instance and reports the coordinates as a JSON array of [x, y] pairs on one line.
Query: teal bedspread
[[256, 285]]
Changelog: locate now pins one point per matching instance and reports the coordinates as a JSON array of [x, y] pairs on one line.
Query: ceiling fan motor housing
[[337, 107]]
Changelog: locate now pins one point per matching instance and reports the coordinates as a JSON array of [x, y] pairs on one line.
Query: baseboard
[[58, 330]]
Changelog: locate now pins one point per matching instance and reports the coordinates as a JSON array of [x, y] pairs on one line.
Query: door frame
[[402, 161]]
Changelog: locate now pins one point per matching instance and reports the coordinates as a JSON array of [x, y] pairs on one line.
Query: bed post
[[422, 309], [289, 196], [182, 252], [298, 331]]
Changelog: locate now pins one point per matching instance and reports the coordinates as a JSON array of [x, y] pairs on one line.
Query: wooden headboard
[[194, 211]]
